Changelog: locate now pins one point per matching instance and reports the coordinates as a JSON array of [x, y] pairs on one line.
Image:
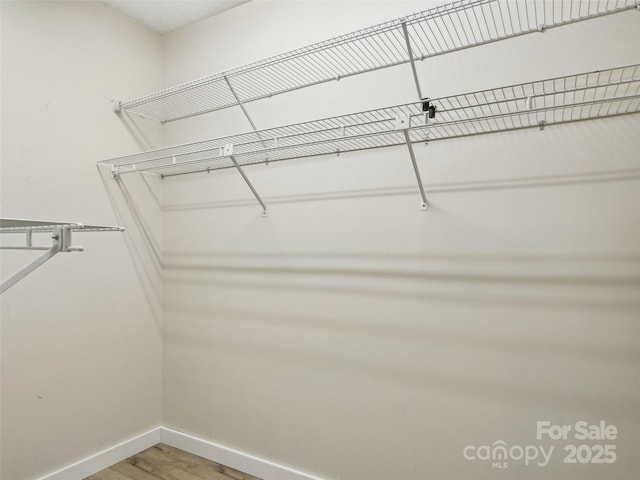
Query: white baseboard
[[106, 458], [229, 457]]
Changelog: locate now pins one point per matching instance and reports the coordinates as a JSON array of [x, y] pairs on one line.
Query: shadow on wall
[[417, 376], [510, 278], [513, 183], [431, 376], [417, 334], [485, 308], [136, 203]]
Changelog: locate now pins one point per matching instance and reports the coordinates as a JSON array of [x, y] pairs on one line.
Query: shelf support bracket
[[411, 59], [247, 181], [403, 123], [26, 270], [246, 114], [61, 243], [240, 104]]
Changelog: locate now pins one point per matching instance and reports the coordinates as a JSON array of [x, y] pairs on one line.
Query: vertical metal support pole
[[410, 53], [424, 205], [253, 190]]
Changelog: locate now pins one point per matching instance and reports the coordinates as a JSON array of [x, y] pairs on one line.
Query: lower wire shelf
[[583, 96]]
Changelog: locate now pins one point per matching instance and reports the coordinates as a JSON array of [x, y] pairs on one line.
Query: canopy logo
[[500, 454], [591, 449]]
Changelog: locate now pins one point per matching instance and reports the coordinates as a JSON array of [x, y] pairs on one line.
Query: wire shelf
[[15, 225], [448, 28], [60, 241], [571, 98]]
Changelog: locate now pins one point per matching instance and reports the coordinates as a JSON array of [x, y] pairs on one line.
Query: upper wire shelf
[[584, 96], [459, 25]]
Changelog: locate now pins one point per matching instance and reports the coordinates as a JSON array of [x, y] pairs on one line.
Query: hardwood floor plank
[[201, 465], [153, 461], [133, 472], [162, 462], [177, 468], [108, 474]]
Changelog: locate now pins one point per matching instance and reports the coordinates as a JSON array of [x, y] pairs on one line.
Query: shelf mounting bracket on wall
[[60, 242], [403, 122], [228, 151]]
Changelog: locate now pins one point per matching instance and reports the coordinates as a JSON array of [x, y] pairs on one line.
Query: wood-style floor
[[163, 462]]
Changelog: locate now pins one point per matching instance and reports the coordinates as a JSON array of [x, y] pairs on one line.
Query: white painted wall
[[351, 336], [81, 336], [347, 335]]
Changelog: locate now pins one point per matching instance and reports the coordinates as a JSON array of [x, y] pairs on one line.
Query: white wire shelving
[[437, 31], [534, 104], [15, 225], [60, 241], [583, 96]]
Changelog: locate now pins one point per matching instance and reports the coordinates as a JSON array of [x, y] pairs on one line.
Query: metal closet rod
[[388, 143], [334, 128], [459, 25], [416, 129], [584, 96], [568, 92]]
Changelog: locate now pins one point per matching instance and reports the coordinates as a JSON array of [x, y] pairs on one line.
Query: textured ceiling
[[163, 16]]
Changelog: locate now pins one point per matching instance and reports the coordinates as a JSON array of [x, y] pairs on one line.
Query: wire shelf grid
[[459, 25], [15, 225], [570, 98]]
